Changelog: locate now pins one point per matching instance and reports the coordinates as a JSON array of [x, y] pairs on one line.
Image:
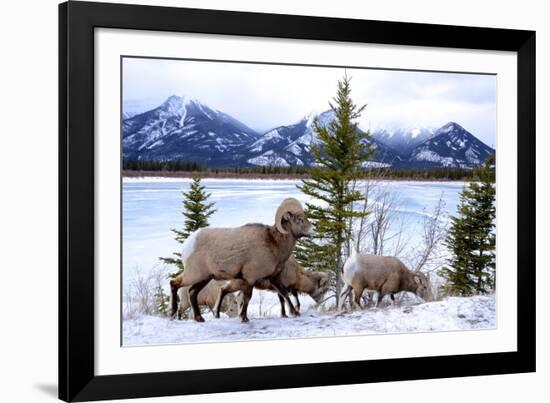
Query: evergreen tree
[[161, 300], [339, 155], [471, 238], [196, 211]]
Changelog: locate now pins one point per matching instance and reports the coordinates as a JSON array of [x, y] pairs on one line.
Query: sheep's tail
[[188, 247], [350, 267]]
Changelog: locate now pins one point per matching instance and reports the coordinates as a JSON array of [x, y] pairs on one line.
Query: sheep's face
[[322, 285], [297, 224], [230, 306], [424, 289]]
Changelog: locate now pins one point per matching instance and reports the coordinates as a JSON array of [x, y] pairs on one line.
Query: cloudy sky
[[266, 96]]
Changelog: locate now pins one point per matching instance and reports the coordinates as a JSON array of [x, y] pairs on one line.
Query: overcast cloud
[[266, 96]]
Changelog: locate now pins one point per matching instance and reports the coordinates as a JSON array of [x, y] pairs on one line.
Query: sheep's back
[[377, 270], [231, 247]]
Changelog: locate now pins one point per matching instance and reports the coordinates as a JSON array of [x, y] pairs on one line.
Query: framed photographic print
[[257, 201]]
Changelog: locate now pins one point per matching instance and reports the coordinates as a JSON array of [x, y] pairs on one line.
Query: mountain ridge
[[184, 128]]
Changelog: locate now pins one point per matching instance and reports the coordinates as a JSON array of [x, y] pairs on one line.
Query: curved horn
[[290, 204]]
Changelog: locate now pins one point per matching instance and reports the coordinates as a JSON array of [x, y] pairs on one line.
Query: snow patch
[[451, 314], [268, 159], [155, 144], [294, 149]]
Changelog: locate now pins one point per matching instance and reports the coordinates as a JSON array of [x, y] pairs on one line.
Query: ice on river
[[152, 206]]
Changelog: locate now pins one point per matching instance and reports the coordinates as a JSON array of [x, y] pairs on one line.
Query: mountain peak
[[452, 146], [179, 101], [447, 127]]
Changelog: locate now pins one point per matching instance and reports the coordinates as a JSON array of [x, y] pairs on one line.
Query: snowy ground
[[447, 315]]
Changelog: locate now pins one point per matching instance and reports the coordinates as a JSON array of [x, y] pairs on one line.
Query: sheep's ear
[[417, 279]]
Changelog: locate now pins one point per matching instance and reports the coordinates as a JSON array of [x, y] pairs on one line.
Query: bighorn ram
[[384, 274], [242, 256], [208, 297], [296, 279]]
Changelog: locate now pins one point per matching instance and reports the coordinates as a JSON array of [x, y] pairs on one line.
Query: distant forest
[[173, 167]]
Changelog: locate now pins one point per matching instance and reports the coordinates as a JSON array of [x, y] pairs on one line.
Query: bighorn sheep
[[242, 256], [384, 274], [296, 279], [208, 296]]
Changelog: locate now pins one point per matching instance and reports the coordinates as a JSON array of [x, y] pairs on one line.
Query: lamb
[[242, 256], [384, 274], [297, 280], [208, 296]]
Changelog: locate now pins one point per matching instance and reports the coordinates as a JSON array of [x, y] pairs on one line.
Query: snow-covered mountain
[[183, 128], [403, 140], [291, 145], [451, 146]]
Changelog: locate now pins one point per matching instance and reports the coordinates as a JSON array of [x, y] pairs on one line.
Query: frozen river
[[152, 206]]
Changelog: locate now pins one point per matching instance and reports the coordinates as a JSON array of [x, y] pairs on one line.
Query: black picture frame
[[77, 21]]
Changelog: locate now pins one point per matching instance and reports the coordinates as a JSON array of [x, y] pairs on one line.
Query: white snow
[[428, 155], [268, 159], [375, 164], [415, 132], [187, 134], [294, 149], [156, 143], [452, 314], [472, 156], [221, 146], [183, 115], [258, 145]]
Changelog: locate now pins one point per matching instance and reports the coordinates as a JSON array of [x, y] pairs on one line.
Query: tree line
[[438, 173]]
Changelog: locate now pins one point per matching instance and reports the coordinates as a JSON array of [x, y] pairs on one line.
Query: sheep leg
[[282, 302], [229, 287], [357, 291], [247, 294], [283, 292], [174, 287], [392, 296], [381, 296], [193, 294], [344, 295], [297, 300], [184, 302]]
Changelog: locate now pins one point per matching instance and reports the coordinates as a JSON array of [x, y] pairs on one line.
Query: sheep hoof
[[199, 319], [244, 320]]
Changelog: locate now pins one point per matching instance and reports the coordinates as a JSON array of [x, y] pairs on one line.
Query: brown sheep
[[207, 297], [243, 256], [384, 274], [298, 280]]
